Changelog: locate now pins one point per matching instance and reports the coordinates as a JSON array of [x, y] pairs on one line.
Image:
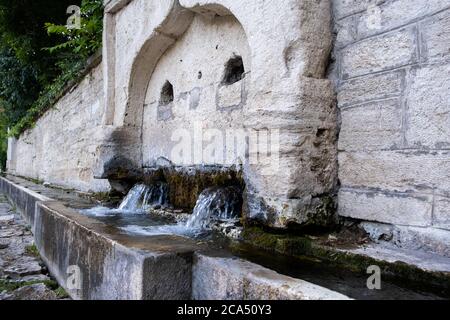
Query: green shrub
[[77, 47]]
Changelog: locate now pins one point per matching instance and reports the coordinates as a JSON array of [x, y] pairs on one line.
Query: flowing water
[[142, 197], [213, 205], [223, 204], [216, 204], [137, 202]]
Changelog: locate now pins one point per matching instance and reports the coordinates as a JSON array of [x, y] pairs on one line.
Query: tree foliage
[[87, 39], [39, 56]]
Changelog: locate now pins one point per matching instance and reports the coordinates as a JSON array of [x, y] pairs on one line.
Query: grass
[[32, 250], [61, 293], [10, 286]]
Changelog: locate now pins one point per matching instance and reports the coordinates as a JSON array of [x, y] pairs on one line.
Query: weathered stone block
[[372, 126], [344, 8], [346, 31], [231, 96], [428, 115], [396, 170], [217, 278], [435, 36], [393, 14], [424, 239], [111, 267], [403, 209], [165, 112], [442, 213], [371, 87], [387, 51], [24, 200]]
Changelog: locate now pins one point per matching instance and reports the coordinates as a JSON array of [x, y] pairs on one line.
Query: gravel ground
[[23, 275]]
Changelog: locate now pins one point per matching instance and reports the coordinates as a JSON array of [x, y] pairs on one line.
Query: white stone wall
[[61, 147], [392, 74], [390, 67], [195, 66], [285, 46]]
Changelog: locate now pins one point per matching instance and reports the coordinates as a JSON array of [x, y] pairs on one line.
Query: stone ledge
[[112, 266], [24, 199], [117, 266], [236, 279], [425, 261], [413, 268]]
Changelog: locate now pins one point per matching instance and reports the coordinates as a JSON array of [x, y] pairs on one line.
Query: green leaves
[[47, 98], [77, 46], [86, 40], [56, 29], [39, 58]]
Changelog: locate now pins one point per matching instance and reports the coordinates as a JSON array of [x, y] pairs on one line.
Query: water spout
[[142, 197], [213, 205], [134, 198]]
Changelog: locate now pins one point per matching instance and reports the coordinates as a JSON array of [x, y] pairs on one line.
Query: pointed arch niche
[[215, 48]]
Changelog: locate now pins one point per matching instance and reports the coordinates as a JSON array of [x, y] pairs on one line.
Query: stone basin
[[93, 260]]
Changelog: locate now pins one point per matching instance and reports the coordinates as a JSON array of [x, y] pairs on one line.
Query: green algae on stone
[[299, 247], [325, 213], [186, 184], [282, 243], [61, 293], [9, 285], [32, 250]]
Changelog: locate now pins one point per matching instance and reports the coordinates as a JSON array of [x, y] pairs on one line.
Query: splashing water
[[134, 199], [138, 199], [213, 205], [141, 197], [218, 204]]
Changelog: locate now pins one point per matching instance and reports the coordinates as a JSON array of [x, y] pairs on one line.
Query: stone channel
[[110, 265]]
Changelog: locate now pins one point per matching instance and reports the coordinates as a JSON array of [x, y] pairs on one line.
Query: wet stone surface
[[23, 276]]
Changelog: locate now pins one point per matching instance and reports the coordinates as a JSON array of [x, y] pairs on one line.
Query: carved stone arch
[[174, 26], [287, 93], [164, 36]]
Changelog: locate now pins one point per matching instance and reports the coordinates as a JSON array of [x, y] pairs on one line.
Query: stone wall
[[392, 73], [61, 148], [391, 70], [284, 94], [195, 69]]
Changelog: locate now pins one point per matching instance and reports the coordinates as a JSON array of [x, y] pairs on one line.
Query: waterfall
[[141, 196], [214, 204], [138, 199], [134, 198]]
